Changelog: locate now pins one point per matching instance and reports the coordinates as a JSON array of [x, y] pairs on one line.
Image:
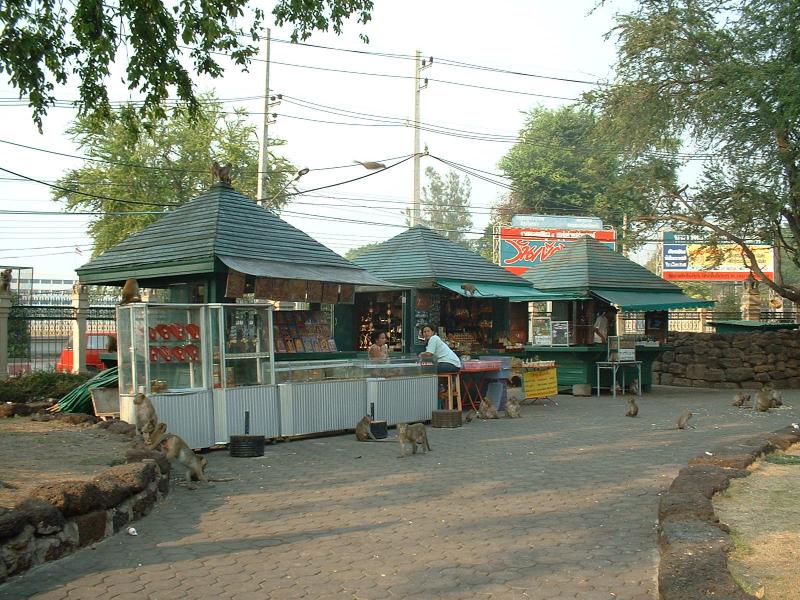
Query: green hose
[[79, 400]]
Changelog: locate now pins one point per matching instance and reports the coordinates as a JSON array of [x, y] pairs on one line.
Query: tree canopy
[[444, 205], [722, 76], [133, 168], [44, 43], [561, 166]]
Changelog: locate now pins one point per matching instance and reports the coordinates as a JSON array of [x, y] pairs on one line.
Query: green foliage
[[19, 338], [561, 166], [43, 43], [38, 385], [354, 253], [723, 76], [144, 164], [444, 206]]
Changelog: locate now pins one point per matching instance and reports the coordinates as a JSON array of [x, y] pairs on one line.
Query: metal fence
[[40, 334], [698, 320]]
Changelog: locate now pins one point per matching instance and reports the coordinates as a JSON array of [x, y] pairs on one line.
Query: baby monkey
[[486, 410], [633, 408], [740, 399], [414, 433]]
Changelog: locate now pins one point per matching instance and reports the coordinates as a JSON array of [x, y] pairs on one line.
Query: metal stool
[[450, 378]]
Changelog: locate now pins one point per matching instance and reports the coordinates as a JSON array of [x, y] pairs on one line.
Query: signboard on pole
[[525, 248], [687, 259]]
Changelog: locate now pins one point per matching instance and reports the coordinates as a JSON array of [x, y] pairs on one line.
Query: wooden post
[[80, 302], [5, 310]]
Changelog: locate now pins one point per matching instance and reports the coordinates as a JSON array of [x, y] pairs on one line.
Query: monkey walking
[[486, 410], [130, 292], [414, 433], [146, 417], [633, 408], [741, 399], [176, 449], [512, 409]]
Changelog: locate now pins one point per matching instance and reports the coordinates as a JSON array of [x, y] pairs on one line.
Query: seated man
[[439, 352]]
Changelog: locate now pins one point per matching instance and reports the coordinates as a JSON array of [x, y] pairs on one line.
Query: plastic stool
[[450, 378]]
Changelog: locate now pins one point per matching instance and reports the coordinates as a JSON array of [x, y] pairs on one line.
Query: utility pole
[[263, 151], [419, 85]]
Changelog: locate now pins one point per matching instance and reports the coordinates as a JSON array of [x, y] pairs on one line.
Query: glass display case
[[329, 370], [181, 347], [541, 331]]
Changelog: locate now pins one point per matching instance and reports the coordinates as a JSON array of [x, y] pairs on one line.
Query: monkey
[[740, 399], [472, 414], [683, 420], [512, 409], [777, 398], [130, 291], [469, 289], [223, 174], [363, 429], [156, 433], [414, 433], [634, 387], [176, 449], [5, 280], [633, 408], [764, 398], [486, 410], [146, 417]]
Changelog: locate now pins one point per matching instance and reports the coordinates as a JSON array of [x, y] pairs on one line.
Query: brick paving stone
[[559, 504]]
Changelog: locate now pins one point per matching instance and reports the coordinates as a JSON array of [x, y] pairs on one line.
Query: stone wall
[[730, 360], [59, 518]]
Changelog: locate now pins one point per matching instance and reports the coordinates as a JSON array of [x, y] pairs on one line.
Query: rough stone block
[[91, 527], [705, 479], [122, 428], [76, 418], [729, 457], [11, 523], [70, 497], [134, 477], [714, 375], [751, 385], [676, 368], [666, 378], [120, 517], [696, 371], [686, 505], [144, 502], [762, 377], [45, 517], [681, 381], [138, 455], [738, 374]]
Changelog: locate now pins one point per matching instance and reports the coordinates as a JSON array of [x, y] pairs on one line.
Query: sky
[[539, 38]]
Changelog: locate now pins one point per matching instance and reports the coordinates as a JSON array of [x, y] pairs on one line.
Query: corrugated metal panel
[[126, 410], [189, 415], [262, 403], [322, 406], [403, 399]]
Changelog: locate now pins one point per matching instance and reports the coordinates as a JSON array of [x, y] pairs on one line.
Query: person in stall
[[379, 350], [439, 352], [602, 323]]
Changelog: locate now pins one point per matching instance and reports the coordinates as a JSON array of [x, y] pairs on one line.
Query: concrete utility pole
[[419, 65], [263, 151]]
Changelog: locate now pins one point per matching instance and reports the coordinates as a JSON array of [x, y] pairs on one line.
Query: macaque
[[221, 174], [414, 433], [130, 292], [146, 417], [683, 420], [469, 289], [633, 408], [364, 429], [176, 449], [5, 280], [159, 431], [512, 409], [740, 399], [634, 388], [486, 410], [470, 416]]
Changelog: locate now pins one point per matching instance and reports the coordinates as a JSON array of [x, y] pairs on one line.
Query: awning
[[286, 270], [492, 290], [650, 300]]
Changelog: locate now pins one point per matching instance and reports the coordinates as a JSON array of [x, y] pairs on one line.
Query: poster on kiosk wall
[[526, 246]]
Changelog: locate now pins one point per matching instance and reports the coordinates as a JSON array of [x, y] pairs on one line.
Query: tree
[[444, 206], [559, 166], [42, 43], [354, 253], [136, 167], [722, 76]]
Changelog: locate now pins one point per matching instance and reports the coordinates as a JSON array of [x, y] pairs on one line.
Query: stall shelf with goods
[[465, 296], [597, 277]]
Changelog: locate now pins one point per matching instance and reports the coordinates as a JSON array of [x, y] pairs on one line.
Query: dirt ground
[[32, 453], [763, 512]]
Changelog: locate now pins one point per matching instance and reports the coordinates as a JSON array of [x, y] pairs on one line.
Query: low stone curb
[[59, 518], [693, 544]]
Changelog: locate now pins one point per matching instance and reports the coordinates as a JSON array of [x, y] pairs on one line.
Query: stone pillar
[[5, 310], [80, 302], [751, 300]]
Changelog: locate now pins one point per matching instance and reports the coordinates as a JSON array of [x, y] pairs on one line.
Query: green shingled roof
[[586, 265], [220, 225], [419, 256]]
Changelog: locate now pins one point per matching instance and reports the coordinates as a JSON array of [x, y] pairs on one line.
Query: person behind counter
[[601, 325], [445, 359], [378, 350]]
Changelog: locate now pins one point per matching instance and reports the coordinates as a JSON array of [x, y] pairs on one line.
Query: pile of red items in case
[[174, 331]]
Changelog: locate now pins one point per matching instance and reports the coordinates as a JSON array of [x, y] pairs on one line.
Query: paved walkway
[[559, 504]]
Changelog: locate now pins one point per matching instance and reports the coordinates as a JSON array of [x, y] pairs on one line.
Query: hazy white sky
[[559, 39]]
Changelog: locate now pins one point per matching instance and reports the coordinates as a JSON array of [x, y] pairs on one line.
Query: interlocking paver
[[559, 504]]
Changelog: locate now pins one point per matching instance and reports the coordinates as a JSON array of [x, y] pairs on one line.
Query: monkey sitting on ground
[[740, 399], [414, 433], [633, 408], [512, 409], [130, 292], [364, 429], [486, 410], [472, 414], [764, 398], [777, 398], [146, 417], [683, 420]]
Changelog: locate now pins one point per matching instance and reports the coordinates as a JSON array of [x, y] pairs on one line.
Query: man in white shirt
[[601, 324], [436, 350]]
